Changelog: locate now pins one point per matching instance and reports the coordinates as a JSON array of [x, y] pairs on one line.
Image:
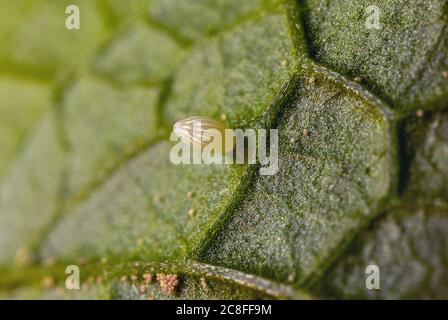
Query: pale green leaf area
[[131, 57], [121, 11], [194, 19], [10, 17], [143, 209], [402, 62], [93, 113], [21, 103], [85, 174], [39, 42], [29, 191], [93, 292]]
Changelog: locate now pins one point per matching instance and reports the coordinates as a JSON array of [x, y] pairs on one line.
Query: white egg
[[196, 130]]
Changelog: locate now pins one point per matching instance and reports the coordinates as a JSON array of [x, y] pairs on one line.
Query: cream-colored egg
[[196, 130]]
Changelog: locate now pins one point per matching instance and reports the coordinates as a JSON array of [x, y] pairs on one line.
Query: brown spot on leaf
[[168, 282]]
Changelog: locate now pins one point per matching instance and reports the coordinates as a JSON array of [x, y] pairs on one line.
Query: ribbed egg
[[194, 130]]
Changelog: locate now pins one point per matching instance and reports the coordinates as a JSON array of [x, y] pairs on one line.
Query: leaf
[[131, 57], [29, 192], [288, 225], [222, 75], [403, 62], [19, 113], [139, 281], [215, 15], [85, 176], [429, 172], [39, 28], [150, 187], [98, 138], [408, 244], [144, 202], [109, 150]]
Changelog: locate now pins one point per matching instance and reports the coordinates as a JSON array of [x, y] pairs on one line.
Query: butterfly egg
[[200, 131]]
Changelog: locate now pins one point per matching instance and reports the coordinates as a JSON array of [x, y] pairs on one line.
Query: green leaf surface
[[408, 243], [131, 57], [97, 137], [85, 175], [22, 102], [194, 19], [228, 74], [36, 40], [287, 225], [403, 62], [409, 247], [144, 202], [428, 170], [141, 281], [29, 192]]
